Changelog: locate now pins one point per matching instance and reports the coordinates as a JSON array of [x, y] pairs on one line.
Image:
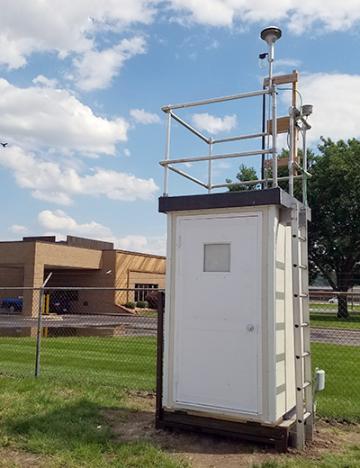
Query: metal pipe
[[272, 90], [305, 169], [241, 137], [254, 182], [39, 326], [265, 133], [189, 127], [210, 167], [291, 153], [187, 176], [214, 157], [167, 153], [214, 100]]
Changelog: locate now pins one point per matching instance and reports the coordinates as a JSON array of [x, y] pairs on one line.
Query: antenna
[[270, 35]]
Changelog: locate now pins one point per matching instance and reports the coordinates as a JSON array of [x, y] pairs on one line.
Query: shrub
[[142, 304], [130, 305]]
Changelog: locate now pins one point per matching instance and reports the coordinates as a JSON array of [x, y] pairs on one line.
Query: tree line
[[334, 199]]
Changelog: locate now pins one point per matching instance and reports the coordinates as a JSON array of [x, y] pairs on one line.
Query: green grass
[[61, 417], [63, 424], [124, 361], [329, 320], [341, 398]]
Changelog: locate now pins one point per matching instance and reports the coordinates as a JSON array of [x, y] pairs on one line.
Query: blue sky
[[82, 84]]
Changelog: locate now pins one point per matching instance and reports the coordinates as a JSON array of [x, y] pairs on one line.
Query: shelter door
[[217, 346]]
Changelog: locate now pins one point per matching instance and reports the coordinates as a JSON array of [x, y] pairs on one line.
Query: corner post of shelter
[[167, 151]]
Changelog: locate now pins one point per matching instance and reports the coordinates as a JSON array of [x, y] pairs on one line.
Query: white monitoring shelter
[[234, 345]]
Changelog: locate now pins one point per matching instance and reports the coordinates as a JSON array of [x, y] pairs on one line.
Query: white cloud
[[44, 81], [140, 243], [127, 152], [71, 27], [143, 117], [18, 229], [96, 69], [331, 14], [53, 117], [287, 62], [213, 124], [336, 105], [60, 183], [61, 224], [59, 221], [63, 26]]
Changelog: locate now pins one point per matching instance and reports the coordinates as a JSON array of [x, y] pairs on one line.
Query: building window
[[141, 294]]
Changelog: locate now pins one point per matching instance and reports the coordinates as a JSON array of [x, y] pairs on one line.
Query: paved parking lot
[[132, 323], [136, 324]]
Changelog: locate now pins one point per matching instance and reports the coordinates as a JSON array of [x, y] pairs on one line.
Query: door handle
[[250, 328]]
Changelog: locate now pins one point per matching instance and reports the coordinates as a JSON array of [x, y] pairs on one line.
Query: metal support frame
[[297, 123]]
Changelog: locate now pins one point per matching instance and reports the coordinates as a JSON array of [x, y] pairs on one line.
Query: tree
[[334, 232], [244, 174], [334, 198]]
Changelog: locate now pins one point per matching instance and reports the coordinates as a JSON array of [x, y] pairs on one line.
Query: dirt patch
[[15, 458], [136, 422]]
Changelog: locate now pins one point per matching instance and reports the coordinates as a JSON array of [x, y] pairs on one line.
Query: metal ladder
[[303, 371]]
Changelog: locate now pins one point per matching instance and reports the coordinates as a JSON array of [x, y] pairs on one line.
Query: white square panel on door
[[217, 345]]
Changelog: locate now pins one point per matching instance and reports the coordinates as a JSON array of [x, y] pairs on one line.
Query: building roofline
[[143, 254], [64, 244]]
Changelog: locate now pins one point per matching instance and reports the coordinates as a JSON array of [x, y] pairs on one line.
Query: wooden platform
[[277, 436]]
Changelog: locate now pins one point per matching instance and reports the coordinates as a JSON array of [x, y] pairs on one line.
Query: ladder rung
[[301, 295], [306, 416], [302, 238], [302, 325], [305, 385], [303, 267], [304, 355]]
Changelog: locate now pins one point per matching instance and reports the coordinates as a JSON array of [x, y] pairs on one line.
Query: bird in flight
[[4, 145]]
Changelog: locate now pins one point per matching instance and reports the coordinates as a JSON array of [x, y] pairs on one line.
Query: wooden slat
[[283, 125], [284, 79]]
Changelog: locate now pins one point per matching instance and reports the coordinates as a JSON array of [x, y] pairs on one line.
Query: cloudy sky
[[82, 83]]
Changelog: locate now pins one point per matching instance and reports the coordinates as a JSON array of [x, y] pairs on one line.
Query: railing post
[[305, 168], [292, 151], [167, 153], [210, 166]]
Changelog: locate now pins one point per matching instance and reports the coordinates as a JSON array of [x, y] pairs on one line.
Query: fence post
[[39, 326], [159, 360], [38, 334]]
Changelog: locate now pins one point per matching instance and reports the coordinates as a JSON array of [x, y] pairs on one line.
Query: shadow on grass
[[64, 428], [79, 434], [85, 427]]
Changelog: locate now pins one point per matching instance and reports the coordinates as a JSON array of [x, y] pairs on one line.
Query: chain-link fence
[[335, 336], [102, 335], [108, 336]]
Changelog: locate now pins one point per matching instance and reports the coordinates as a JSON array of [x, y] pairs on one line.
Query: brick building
[[77, 262]]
